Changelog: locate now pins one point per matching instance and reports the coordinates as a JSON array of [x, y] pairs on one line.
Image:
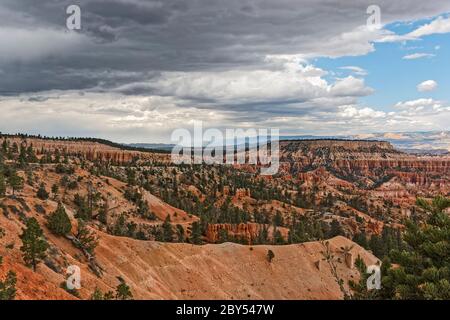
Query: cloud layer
[[138, 69]]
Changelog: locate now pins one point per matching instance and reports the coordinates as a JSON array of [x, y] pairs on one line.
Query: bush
[[270, 255], [123, 291], [72, 185], [8, 286]]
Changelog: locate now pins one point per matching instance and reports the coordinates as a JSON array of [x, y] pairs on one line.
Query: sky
[[139, 69]]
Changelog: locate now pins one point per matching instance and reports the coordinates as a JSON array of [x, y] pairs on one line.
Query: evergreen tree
[[361, 239], [59, 221], [15, 181], [131, 177], [22, 156], [278, 238], [423, 269], [14, 149], [2, 185], [196, 234], [84, 211], [34, 246], [123, 291], [180, 233], [42, 193], [278, 219], [359, 289], [223, 236], [120, 228], [55, 188], [336, 229], [99, 295], [167, 229], [5, 146], [263, 235], [87, 239], [31, 156], [8, 286], [377, 246]]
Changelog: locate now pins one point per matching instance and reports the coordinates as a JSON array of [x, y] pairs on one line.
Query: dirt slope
[[226, 271], [182, 271]]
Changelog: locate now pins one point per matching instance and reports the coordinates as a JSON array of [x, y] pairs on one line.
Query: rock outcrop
[[248, 232], [90, 150], [369, 163]]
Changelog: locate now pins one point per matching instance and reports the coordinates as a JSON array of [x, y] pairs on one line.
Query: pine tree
[[31, 156], [377, 246], [123, 291], [2, 185], [99, 295], [42, 193], [196, 233], [34, 246], [278, 219], [8, 286], [59, 221], [359, 289], [55, 189], [15, 182], [223, 235], [336, 229], [361, 239], [263, 235], [167, 229], [87, 239], [278, 238], [180, 233], [22, 156], [5, 146], [423, 271]]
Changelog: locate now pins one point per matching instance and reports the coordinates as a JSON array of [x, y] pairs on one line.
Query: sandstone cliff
[[355, 161]]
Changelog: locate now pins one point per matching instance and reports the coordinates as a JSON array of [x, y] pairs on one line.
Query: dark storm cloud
[[145, 37], [115, 12]]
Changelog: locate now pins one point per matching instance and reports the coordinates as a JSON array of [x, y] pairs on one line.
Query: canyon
[[362, 186]]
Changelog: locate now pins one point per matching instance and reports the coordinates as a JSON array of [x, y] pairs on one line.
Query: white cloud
[[127, 118], [286, 81], [350, 86], [109, 115], [440, 25], [420, 104], [358, 113], [418, 56], [356, 70], [437, 26], [426, 86]]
